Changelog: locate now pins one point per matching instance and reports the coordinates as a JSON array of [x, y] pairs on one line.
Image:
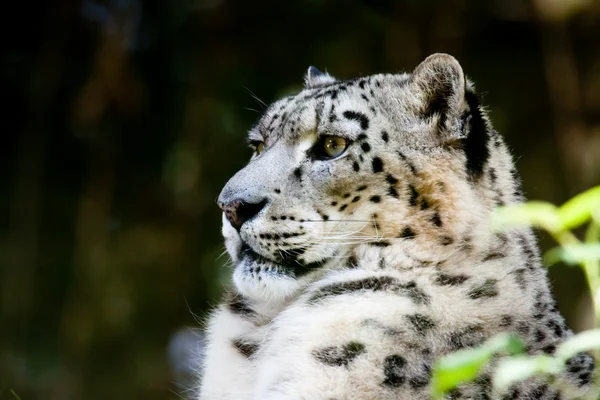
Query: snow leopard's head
[[348, 169]]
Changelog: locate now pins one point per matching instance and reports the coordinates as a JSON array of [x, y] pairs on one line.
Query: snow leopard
[[362, 251]]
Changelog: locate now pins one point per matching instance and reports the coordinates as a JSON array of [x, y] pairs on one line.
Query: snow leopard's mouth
[[288, 264]]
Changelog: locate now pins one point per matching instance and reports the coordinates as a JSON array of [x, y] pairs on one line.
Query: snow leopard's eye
[[257, 146], [331, 146]]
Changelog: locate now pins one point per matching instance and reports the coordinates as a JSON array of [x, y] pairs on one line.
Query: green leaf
[[464, 366], [579, 209], [536, 213], [573, 254], [456, 368], [583, 341], [515, 369]]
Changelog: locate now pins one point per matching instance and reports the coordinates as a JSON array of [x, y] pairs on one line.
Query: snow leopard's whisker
[[345, 236], [356, 235], [182, 391], [356, 231], [255, 97], [223, 253], [342, 241], [375, 226], [359, 230], [336, 236], [339, 240], [348, 233], [337, 220], [348, 241], [311, 251]]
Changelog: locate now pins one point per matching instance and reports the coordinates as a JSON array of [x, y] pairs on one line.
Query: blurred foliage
[[122, 120], [466, 365]]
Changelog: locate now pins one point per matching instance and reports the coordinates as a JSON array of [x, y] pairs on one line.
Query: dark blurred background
[[122, 120]]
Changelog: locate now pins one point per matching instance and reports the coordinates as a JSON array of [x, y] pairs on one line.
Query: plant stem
[[591, 268]]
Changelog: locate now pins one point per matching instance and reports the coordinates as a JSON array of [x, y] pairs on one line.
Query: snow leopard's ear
[[315, 78], [442, 91], [439, 84]]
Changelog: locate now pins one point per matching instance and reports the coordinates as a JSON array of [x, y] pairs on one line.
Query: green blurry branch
[[466, 365]]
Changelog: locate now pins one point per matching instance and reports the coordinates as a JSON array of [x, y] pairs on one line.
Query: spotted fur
[[354, 274]]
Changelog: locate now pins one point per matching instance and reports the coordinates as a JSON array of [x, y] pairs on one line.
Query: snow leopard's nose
[[239, 211]]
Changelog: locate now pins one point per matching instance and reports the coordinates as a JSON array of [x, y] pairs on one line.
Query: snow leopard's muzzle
[[270, 233]]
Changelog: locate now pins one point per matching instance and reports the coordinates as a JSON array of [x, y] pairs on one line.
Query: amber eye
[[257, 146], [333, 146]]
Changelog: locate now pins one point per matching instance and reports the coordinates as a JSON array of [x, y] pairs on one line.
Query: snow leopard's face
[[345, 164]]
